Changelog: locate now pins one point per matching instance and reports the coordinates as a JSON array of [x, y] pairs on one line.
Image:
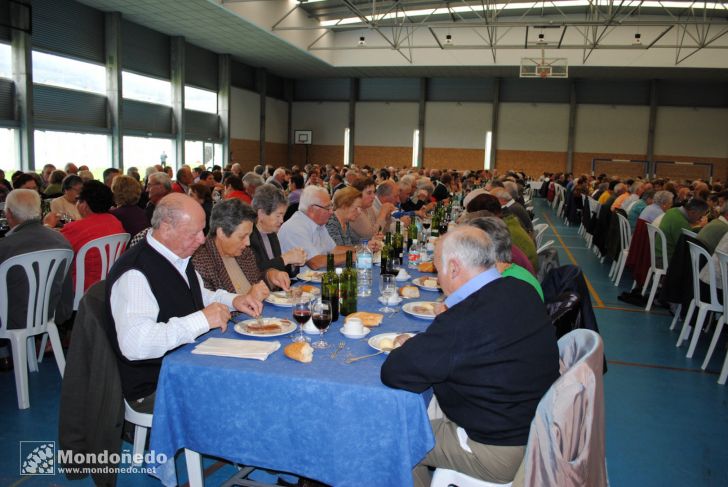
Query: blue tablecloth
[[327, 420]]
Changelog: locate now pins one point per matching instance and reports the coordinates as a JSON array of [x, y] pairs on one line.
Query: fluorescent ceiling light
[[522, 6]]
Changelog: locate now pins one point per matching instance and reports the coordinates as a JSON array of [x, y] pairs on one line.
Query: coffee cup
[[353, 326]]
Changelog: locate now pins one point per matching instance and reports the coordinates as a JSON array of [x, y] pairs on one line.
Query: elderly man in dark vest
[[156, 300]]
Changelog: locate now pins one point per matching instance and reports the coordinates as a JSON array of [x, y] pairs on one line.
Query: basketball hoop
[[543, 74]]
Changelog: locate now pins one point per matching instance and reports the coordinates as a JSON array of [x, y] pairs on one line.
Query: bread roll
[[300, 351], [409, 292], [367, 319], [427, 267]]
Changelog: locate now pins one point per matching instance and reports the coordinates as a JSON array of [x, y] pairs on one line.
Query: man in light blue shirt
[[307, 229]]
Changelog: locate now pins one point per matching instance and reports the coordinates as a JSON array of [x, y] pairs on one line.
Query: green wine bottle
[[330, 287]]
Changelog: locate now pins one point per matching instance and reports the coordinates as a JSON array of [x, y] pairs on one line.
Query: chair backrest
[[625, 231], [593, 205], [689, 233], [698, 253], [653, 232], [41, 268], [723, 263], [566, 441], [110, 248], [538, 230]]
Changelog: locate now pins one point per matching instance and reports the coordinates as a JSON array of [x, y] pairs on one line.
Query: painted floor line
[[592, 291], [633, 310], [663, 367]]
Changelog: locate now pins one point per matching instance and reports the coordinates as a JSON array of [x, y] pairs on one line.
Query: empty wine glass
[[301, 314], [321, 315], [388, 291]]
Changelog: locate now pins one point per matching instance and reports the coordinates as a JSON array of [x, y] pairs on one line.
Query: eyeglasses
[[330, 207]]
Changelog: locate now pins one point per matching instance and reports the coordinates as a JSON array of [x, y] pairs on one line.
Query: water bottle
[[364, 270], [413, 256]]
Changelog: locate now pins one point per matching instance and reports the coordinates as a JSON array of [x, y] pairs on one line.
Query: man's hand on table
[[248, 305], [217, 316]]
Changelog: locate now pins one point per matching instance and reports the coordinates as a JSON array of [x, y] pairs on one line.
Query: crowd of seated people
[[225, 238]]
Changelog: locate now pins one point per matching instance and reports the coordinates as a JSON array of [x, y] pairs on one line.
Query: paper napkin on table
[[230, 347]]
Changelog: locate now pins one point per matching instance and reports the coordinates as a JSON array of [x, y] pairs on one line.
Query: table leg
[[194, 468]]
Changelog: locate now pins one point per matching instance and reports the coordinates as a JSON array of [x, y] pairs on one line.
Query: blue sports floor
[[666, 424]]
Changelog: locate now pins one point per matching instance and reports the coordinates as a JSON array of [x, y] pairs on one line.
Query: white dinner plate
[[375, 341], [420, 283], [310, 276], [245, 328], [279, 298], [420, 309], [355, 337]]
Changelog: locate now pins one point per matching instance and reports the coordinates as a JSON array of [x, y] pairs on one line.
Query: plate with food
[[385, 341], [310, 276], [421, 309], [270, 327], [287, 300], [427, 283]]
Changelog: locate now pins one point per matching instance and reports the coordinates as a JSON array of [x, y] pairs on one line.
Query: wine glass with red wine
[[301, 314], [321, 314]]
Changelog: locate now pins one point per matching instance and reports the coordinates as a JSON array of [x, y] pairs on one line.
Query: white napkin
[[230, 347]]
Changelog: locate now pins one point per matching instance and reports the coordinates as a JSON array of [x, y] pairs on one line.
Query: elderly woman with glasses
[[270, 203], [66, 204], [226, 261], [347, 208]]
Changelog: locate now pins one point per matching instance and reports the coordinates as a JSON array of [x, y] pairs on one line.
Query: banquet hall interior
[[569, 105]]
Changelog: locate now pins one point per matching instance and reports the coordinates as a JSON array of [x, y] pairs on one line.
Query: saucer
[[402, 279], [355, 337]]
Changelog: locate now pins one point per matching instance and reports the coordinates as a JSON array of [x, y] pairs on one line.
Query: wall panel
[[457, 125], [698, 132], [327, 120], [533, 126], [276, 121], [611, 129], [244, 114], [386, 124]]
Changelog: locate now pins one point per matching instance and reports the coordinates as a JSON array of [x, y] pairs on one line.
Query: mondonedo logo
[[42, 458]]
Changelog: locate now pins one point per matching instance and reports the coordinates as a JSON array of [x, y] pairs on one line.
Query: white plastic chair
[[41, 269], [625, 239], [545, 246], [579, 348], [142, 422], [656, 270], [110, 248], [538, 231], [697, 253], [723, 263]]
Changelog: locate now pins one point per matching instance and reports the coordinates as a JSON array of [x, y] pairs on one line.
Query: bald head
[[178, 224]]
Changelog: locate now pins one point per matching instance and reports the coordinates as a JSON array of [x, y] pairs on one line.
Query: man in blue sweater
[[490, 357]]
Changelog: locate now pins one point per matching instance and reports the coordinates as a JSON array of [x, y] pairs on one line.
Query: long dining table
[[326, 420]]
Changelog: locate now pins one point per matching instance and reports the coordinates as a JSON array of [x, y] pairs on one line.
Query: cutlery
[[259, 320], [356, 359], [338, 349]]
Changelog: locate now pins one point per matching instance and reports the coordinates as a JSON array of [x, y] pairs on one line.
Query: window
[[60, 148], [6, 61], [202, 153], [416, 148], [9, 149], [68, 73], [487, 163], [145, 88], [142, 152], [200, 100]]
